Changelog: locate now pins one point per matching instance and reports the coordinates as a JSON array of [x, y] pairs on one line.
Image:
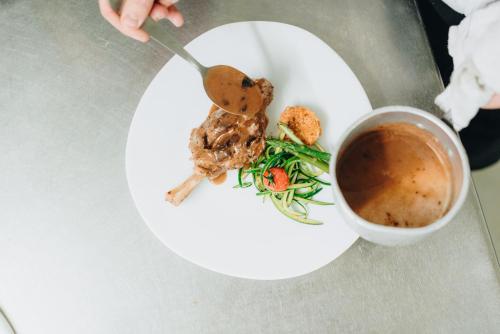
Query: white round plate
[[228, 230]]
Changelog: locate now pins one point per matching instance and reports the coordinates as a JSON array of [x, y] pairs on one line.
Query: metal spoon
[[227, 87]]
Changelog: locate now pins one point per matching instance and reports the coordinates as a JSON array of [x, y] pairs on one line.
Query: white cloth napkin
[[467, 6], [475, 47]]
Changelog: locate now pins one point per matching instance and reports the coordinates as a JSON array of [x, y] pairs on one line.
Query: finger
[[112, 17], [137, 34], [135, 12], [109, 14], [494, 102], [175, 16], [168, 3], [159, 12]]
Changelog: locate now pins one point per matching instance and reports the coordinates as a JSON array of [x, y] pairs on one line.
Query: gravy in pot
[[397, 175]]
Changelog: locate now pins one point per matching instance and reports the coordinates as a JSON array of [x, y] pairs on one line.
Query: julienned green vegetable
[[303, 165]]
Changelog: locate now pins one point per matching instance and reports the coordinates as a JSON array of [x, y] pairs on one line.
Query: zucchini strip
[[295, 217], [289, 133], [312, 201]]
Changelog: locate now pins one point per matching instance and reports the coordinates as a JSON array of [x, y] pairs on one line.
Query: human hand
[[133, 13], [494, 102]]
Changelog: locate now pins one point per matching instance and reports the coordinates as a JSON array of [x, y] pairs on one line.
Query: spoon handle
[[161, 35]]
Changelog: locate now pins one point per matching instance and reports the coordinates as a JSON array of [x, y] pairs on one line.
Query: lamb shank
[[225, 141]]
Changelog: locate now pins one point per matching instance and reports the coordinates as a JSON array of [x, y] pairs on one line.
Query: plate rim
[[127, 158]]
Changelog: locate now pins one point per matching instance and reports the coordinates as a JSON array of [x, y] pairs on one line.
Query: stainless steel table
[[75, 256]]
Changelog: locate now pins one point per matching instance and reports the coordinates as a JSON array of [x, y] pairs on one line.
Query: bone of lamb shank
[[224, 141]]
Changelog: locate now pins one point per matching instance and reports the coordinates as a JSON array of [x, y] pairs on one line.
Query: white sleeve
[[467, 6], [475, 48]]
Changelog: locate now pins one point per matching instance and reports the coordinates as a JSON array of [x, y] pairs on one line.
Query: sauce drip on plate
[[219, 179]]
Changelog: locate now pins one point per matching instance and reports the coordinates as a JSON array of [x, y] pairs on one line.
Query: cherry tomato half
[[276, 179]]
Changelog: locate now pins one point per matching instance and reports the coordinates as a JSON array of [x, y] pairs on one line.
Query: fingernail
[[174, 2], [177, 21], [157, 17], [131, 21]]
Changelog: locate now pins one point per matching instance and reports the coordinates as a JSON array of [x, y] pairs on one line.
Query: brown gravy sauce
[[397, 175], [232, 90], [219, 179]]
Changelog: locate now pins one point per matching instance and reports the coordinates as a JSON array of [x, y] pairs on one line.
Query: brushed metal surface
[[75, 256]]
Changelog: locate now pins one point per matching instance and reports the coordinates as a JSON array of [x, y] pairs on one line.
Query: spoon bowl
[[232, 90]]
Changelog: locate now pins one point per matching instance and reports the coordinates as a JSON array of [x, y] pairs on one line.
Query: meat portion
[[225, 141]]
